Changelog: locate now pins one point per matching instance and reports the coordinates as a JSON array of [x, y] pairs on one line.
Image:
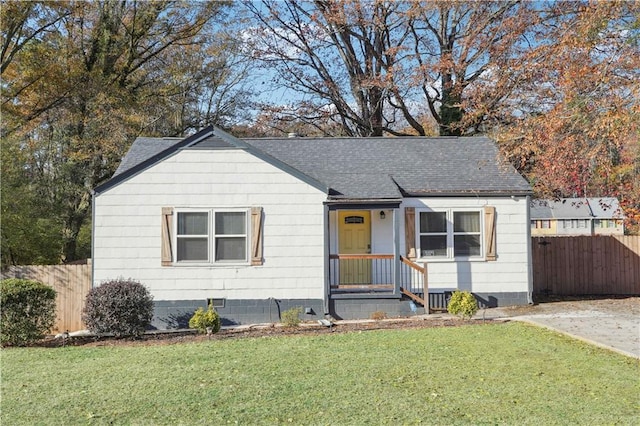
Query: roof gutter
[[522, 193]]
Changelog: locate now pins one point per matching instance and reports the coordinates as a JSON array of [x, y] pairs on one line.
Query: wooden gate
[[586, 265]]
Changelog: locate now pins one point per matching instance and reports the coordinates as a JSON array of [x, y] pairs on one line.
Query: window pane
[[466, 245], [466, 221], [433, 245], [230, 223], [193, 223], [231, 248], [433, 222], [193, 249]]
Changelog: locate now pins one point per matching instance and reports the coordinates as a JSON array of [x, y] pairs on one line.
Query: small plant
[[462, 304], [119, 307], [205, 321], [28, 311], [378, 315], [291, 317]]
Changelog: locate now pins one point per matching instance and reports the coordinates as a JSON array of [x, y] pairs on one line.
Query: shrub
[[378, 315], [291, 317], [28, 311], [119, 307], [462, 304], [205, 321]]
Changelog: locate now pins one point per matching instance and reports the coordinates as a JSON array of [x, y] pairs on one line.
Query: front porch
[[363, 253]]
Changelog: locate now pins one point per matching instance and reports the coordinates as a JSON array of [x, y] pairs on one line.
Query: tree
[[82, 79], [371, 65], [583, 136]]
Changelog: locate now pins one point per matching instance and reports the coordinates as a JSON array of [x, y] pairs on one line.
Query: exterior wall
[[175, 314], [575, 229], [127, 228], [539, 231], [509, 274], [401, 307], [599, 227]]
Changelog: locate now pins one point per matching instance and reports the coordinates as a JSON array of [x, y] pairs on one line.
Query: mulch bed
[[176, 337]]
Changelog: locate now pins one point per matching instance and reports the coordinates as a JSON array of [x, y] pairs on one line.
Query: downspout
[[327, 279], [529, 253], [93, 233]]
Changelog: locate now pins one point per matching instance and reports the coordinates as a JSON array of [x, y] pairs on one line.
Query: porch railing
[[361, 271], [412, 276], [374, 271]]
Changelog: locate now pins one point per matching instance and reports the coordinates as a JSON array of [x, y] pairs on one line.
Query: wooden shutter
[[410, 231], [256, 236], [490, 232], [167, 227]]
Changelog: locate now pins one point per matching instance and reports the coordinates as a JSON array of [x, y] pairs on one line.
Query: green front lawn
[[478, 374]]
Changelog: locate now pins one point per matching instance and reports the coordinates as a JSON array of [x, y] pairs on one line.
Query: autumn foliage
[[555, 83]]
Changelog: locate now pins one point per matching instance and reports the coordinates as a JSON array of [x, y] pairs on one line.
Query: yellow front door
[[354, 237]]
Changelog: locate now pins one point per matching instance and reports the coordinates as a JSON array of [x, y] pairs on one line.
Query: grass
[[479, 374]]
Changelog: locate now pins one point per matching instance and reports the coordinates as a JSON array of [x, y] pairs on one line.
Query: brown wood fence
[[586, 265], [71, 282]]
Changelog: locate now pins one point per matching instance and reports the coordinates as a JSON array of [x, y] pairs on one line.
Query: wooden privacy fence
[[586, 265], [71, 283]]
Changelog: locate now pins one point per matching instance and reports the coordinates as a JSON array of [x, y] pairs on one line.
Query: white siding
[[509, 273], [127, 228]]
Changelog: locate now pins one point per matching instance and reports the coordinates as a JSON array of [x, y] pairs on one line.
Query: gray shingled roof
[[365, 168], [142, 149], [386, 167], [576, 208], [606, 208], [541, 209]]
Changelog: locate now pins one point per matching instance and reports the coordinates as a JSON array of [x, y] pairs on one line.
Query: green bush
[[462, 304], [291, 317], [119, 307], [28, 311], [205, 321]]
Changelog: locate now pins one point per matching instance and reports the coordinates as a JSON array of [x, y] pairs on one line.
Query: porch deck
[[375, 274]]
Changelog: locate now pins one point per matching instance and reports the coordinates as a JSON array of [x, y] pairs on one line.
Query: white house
[[340, 226], [577, 216]]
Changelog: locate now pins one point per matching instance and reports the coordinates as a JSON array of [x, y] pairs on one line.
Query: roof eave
[[470, 193], [116, 180]]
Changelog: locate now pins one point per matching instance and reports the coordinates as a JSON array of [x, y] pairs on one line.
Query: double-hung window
[[193, 237], [433, 234], [450, 233], [230, 236], [212, 236], [466, 234]]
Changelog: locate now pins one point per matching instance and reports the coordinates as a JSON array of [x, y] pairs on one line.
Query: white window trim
[[211, 237], [450, 233]]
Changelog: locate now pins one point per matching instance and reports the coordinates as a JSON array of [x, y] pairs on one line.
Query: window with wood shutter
[[211, 236], [456, 234]]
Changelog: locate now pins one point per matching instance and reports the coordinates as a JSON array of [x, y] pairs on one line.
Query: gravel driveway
[[611, 323]]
